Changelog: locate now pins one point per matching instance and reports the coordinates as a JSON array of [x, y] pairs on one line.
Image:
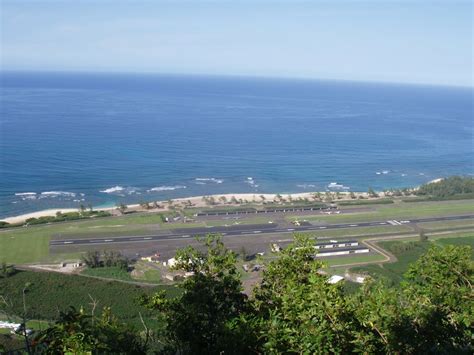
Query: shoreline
[[222, 200]]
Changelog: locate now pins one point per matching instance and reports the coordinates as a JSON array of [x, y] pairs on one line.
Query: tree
[[114, 258], [372, 193], [297, 310], [328, 197], [423, 236], [204, 319], [454, 185], [212, 200], [6, 270], [432, 313], [145, 205], [92, 259], [439, 294], [122, 208], [76, 332]]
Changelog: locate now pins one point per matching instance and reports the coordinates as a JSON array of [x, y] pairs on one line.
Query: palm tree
[[121, 208]]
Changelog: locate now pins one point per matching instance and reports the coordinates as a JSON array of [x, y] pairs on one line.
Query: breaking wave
[[52, 194], [203, 181], [166, 188], [121, 191], [112, 190]]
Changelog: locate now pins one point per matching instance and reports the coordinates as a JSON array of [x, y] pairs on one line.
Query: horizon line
[[235, 76]]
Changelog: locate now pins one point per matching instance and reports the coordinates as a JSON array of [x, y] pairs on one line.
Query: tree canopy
[[454, 185]]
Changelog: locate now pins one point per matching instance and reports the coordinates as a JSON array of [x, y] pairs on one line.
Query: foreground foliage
[[79, 333], [293, 310], [205, 317], [48, 294]]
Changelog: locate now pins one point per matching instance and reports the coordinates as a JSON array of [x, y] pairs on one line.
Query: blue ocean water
[[73, 138]]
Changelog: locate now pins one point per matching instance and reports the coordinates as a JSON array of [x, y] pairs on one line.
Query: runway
[[248, 230]]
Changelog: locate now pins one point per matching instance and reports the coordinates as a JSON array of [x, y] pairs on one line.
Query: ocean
[[80, 138]]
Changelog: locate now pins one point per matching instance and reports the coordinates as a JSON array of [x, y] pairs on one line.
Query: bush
[[94, 259], [7, 270]]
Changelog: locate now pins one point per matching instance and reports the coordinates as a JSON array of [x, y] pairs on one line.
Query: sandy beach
[[194, 201]]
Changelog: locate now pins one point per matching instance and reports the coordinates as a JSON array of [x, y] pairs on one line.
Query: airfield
[[251, 229]]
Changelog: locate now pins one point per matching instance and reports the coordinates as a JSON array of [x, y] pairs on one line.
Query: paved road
[[254, 229]]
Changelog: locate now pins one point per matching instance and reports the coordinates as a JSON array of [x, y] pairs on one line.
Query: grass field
[[399, 210], [145, 272], [23, 246], [393, 272], [142, 272], [48, 293], [362, 231], [345, 260], [115, 273], [469, 240], [447, 224]]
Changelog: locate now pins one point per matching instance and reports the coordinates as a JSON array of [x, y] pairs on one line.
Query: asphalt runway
[[233, 231]]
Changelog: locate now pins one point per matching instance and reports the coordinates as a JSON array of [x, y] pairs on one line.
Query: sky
[[409, 41]]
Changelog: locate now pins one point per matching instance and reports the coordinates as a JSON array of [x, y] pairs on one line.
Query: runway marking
[[290, 229], [257, 232], [68, 242], [147, 238], [353, 225], [394, 223], [322, 227], [185, 236], [382, 223], [108, 240]]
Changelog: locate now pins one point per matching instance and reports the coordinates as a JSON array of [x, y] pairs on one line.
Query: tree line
[[451, 186]]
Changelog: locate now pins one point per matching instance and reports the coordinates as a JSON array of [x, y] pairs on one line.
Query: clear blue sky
[[416, 41]]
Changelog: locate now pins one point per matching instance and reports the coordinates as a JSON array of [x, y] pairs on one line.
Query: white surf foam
[[203, 181], [166, 188], [336, 186], [251, 182], [114, 189], [25, 194], [53, 194]]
